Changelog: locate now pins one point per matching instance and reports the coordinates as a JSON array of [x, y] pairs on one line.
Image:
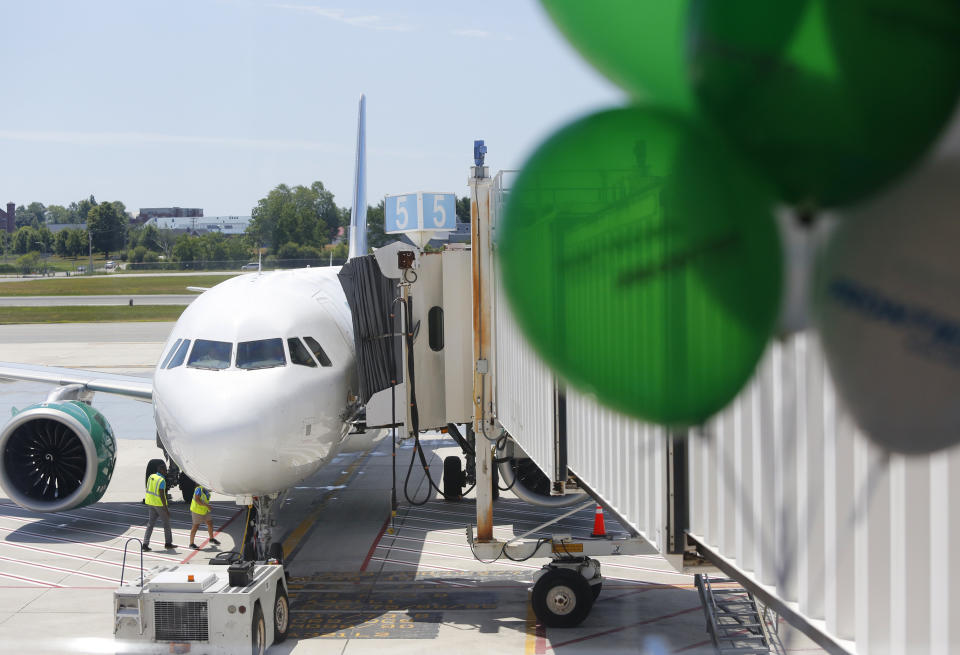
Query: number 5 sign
[[417, 212]]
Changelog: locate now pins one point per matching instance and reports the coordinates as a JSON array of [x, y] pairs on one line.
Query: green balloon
[[831, 98], [642, 262], [638, 45]]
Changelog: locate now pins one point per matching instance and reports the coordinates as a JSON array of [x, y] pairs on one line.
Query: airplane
[[254, 392]]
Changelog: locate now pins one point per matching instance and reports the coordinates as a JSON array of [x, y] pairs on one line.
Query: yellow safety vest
[[196, 507], [154, 491]]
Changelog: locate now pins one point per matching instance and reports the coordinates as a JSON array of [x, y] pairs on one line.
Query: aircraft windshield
[[173, 349], [181, 354], [265, 353], [210, 354], [299, 354], [318, 351]]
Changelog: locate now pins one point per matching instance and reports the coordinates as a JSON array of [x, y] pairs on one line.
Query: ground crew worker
[[156, 501], [200, 512]]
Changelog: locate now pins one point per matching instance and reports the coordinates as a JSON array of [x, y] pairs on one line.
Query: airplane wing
[[123, 385]]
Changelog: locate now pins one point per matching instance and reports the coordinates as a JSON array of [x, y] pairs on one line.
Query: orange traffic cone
[[599, 529]]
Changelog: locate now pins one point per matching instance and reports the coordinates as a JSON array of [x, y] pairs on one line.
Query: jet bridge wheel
[[561, 598], [453, 478]]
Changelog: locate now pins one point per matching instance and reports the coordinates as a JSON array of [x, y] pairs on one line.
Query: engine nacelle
[[56, 456]]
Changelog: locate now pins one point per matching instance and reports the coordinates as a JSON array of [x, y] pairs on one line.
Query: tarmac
[[363, 578]]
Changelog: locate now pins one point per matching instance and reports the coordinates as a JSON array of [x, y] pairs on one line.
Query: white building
[[224, 224]]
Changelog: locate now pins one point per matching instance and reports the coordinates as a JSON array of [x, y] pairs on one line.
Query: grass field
[[109, 285], [89, 314]]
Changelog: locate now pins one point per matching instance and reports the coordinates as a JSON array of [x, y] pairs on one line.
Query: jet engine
[[56, 456]]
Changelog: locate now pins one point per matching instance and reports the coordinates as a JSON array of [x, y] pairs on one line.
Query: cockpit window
[[181, 354], [318, 351], [210, 354], [265, 353], [173, 349], [299, 354]]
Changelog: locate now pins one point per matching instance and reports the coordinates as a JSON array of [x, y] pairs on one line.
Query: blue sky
[[212, 103]]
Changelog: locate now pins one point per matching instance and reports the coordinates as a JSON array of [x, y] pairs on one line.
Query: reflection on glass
[[173, 349], [181, 354], [210, 354], [265, 353], [299, 354], [318, 351]]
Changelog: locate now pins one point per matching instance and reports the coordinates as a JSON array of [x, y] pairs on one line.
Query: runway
[[61, 301]]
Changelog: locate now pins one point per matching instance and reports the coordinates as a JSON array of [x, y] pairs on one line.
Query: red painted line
[[373, 546], [59, 553], [206, 541], [126, 524], [58, 569], [624, 627], [84, 543], [540, 643], [51, 585]]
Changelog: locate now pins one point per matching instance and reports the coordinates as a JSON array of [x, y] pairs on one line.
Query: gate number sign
[[413, 212]]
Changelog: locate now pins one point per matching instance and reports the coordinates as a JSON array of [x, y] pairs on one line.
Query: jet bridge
[[425, 325]]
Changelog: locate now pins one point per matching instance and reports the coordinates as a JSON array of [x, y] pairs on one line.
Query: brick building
[[8, 219]]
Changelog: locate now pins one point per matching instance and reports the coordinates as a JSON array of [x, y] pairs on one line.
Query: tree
[[83, 208], [77, 242], [28, 262], [61, 243], [59, 214], [107, 226], [463, 209], [302, 215], [376, 238], [22, 240]]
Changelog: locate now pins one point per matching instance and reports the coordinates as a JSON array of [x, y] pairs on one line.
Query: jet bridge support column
[[483, 422]]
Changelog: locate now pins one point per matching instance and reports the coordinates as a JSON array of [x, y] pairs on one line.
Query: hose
[[509, 476]]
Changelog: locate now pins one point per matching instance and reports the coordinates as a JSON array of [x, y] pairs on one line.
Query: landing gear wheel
[[281, 615], [452, 478], [152, 467], [248, 549], [561, 598], [187, 487], [276, 552], [258, 631]]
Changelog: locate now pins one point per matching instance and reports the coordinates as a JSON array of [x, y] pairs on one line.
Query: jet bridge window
[[173, 349], [299, 354], [317, 350], [210, 354], [181, 354], [265, 353]]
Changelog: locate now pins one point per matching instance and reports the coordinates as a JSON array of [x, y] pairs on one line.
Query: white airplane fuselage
[[239, 421]]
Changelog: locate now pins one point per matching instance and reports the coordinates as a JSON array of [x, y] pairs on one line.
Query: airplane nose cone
[[227, 436]]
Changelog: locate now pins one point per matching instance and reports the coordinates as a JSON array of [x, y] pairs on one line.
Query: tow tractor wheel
[[561, 598], [258, 631], [596, 589], [452, 478], [281, 615]]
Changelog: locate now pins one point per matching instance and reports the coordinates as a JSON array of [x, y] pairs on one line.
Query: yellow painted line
[[530, 646], [293, 540]]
